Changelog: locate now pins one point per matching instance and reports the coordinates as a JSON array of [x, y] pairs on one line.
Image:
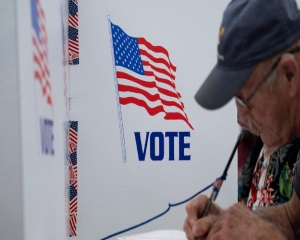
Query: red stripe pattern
[[73, 33], [73, 224], [40, 51], [73, 140], [146, 76]]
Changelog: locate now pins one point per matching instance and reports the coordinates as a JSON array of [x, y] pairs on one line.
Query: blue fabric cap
[[251, 31]]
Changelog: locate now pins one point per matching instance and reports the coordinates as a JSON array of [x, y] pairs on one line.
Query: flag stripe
[[155, 110], [40, 51], [73, 205], [73, 137], [73, 20], [41, 54], [141, 103], [159, 79], [150, 103], [152, 98], [157, 61], [159, 70], [147, 78], [42, 72], [73, 223], [176, 115], [74, 183], [161, 92], [146, 84], [157, 49], [73, 47]]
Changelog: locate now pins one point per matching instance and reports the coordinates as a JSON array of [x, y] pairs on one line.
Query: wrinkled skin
[[237, 222]]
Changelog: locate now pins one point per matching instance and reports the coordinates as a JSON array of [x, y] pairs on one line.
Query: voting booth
[[143, 141], [34, 176], [100, 131]]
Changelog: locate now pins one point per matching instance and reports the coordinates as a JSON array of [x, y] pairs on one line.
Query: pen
[[218, 183]]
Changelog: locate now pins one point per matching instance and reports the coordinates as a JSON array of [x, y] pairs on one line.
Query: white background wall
[[11, 218]]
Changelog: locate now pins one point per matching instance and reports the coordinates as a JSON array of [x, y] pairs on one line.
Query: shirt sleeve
[[297, 179]]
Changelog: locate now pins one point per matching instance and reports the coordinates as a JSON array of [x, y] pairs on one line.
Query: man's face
[[269, 112]]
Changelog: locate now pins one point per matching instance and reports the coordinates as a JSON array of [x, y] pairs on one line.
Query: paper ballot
[[157, 235]]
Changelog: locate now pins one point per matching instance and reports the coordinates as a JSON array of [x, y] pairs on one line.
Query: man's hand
[[237, 222], [196, 226]]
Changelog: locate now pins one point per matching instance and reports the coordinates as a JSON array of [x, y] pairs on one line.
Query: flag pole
[[121, 127]]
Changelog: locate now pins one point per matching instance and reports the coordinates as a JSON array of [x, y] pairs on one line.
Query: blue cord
[[223, 177]]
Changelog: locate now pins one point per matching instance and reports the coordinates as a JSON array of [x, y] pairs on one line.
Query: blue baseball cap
[[251, 31]]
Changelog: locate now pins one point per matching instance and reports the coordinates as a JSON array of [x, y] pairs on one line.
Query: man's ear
[[290, 70]]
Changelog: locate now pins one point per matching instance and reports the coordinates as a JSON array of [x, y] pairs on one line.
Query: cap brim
[[220, 86]]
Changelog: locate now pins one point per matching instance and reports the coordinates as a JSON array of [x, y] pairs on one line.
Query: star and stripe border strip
[[73, 33], [73, 140]]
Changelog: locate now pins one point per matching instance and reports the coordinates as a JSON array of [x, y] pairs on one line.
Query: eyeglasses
[[245, 103]]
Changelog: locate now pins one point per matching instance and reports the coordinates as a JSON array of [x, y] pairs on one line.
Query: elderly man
[[259, 65]]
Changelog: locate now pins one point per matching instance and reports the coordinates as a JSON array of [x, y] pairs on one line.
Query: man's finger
[[195, 207], [202, 227], [187, 228], [215, 230]]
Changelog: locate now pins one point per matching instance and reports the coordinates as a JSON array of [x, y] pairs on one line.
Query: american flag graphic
[[73, 33], [73, 136], [73, 163], [146, 76], [40, 50], [73, 224], [73, 200]]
